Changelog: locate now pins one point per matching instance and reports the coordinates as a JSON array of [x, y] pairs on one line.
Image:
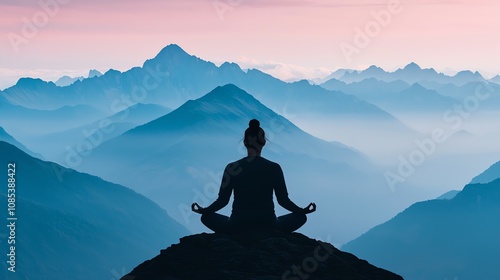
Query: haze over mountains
[[66, 80], [6, 137], [54, 143], [168, 128], [173, 77], [87, 226], [456, 238], [489, 175], [185, 151]]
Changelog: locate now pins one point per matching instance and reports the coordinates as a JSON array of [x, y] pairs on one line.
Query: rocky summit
[[261, 255]]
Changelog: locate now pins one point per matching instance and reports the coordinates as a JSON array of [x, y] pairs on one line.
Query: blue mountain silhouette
[[489, 175], [66, 80], [88, 227], [173, 77], [6, 137], [103, 129], [455, 238], [412, 73]]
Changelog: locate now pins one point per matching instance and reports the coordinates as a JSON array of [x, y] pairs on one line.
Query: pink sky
[[289, 38]]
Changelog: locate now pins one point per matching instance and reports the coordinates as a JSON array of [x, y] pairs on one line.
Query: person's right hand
[[197, 208], [309, 208]]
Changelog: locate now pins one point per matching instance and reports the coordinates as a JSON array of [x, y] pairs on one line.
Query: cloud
[[284, 71]]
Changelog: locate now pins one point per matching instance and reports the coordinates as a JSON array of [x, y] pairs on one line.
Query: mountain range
[[185, 151], [411, 73], [455, 238], [67, 80], [73, 225], [25, 122], [174, 77], [53, 144], [396, 96], [168, 128]]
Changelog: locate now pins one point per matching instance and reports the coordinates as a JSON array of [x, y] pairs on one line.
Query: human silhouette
[[253, 180]]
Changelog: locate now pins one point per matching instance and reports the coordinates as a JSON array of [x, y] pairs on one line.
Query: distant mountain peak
[[303, 82], [174, 47], [418, 86], [30, 82], [172, 50], [230, 65], [34, 83], [94, 73], [67, 80], [112, 72], [373, 71], [412, 66], [226, 91], [469, 74], [374, 68], [230, 87], [495, 79]]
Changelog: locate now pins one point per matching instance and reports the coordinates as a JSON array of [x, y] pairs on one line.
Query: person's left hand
[[197, 208], [309, 208]]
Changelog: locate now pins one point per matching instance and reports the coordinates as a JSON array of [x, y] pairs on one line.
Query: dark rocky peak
[[258, 255]]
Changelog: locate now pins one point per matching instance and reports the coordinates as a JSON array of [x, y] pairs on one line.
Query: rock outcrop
[[262, 255]]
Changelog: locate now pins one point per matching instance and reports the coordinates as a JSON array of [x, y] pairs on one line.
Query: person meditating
[[253, 180]]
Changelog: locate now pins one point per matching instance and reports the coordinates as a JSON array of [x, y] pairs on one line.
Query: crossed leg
[[221, 224]]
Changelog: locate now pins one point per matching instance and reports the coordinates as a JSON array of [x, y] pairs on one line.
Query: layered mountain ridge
[[87, 226], [455, 238]]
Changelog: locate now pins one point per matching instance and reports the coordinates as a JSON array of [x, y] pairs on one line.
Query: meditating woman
[[253, 180]]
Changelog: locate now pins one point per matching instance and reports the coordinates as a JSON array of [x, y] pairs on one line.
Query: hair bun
[[254, 123]]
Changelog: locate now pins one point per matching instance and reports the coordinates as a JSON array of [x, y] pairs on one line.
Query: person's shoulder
[[234, 164], [238, 163], [270, 163], [261, 161]]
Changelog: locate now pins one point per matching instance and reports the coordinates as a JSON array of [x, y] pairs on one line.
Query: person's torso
[[253, 180]]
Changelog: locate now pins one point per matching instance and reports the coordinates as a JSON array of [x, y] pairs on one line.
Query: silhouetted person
[[253, 180]]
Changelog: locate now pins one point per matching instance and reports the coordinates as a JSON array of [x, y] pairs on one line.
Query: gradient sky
[[288, 38]]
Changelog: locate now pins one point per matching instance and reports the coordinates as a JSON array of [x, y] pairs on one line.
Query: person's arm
[[224, 194], [282, 193]]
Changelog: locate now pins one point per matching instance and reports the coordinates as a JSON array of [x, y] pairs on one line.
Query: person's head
[[255, 137]]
